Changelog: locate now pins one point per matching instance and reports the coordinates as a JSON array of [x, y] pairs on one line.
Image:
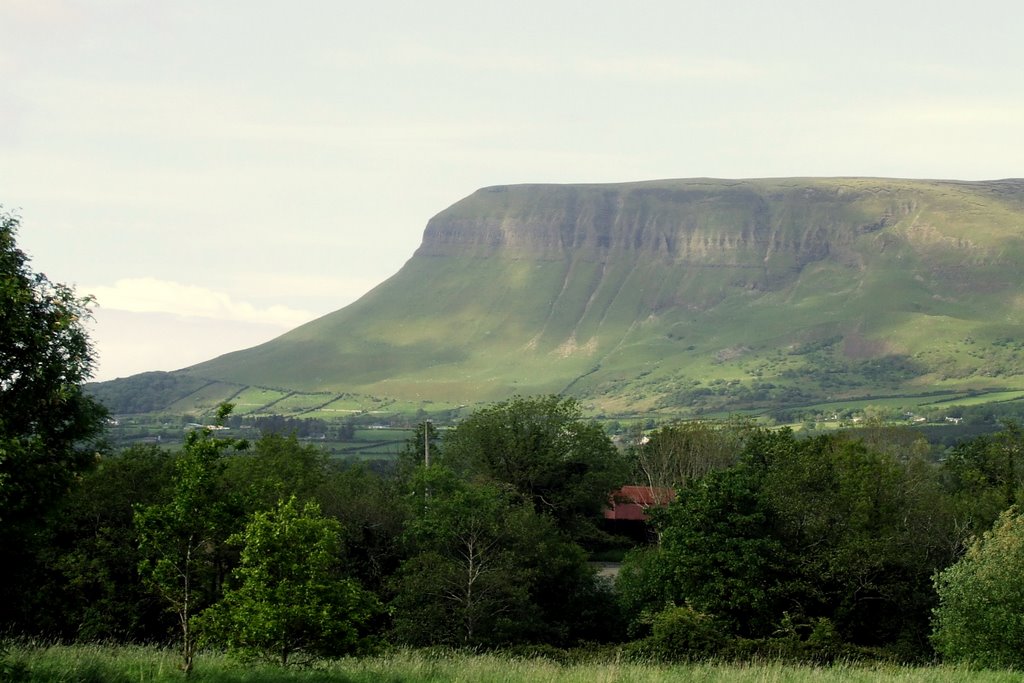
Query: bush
[[683, 634]]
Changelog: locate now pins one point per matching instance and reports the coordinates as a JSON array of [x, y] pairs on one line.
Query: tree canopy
[[292, 601], [981, 599], [542, 448], [45, 356], [48, 425]]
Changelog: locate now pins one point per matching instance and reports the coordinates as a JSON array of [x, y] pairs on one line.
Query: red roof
[[631, 502]]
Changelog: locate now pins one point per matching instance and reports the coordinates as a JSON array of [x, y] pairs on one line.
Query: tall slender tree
[[179, 539]]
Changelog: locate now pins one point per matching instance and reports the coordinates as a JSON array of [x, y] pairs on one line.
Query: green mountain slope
[[680, 295]]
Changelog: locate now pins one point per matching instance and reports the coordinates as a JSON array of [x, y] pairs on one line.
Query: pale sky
[[217, 172]]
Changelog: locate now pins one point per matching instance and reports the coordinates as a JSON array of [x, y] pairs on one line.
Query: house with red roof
[[627, 515]]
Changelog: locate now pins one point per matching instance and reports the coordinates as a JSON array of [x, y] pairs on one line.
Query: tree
[[292, 599], [372, 511], [96, 550], [816, 529], [485, 569], [48, 426], [462, 585], [541, 447], [179, 539], [986, 476], [981, 599], [678, 454], [725, 559], [866, 530], [274, 468]]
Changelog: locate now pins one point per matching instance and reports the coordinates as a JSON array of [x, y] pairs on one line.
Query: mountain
[[666, 296]]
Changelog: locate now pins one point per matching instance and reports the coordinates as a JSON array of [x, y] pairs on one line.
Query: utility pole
[[426, 443]]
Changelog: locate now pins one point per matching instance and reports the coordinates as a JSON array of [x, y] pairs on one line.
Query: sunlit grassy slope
[[681, 295]]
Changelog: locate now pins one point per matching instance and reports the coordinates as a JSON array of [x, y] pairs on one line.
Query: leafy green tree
[[543, 449], [571, 603], [643, 587], [865, 530], [980, 616], [373, 511], [726, 560], [819, 528], [463, 585], [48, 426], [985, 476], [485, 569], [274, 468], [292, 602], [179, 540]]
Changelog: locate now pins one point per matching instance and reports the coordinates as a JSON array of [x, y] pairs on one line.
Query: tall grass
[[132, 664]]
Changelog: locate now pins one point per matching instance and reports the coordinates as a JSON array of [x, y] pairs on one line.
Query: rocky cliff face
[[712, 222]]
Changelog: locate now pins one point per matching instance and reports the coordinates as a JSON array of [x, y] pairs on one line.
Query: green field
[[130, 664], [383, 443]]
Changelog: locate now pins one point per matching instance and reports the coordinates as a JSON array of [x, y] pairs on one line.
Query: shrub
[[683, 633]]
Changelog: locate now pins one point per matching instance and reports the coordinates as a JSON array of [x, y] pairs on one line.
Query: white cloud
[[150, 295]]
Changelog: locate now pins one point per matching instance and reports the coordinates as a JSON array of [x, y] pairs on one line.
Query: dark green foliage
[[986, 476], [275, 468], [96, 550], [147, 392], [291, 426], [643, 587], [486, 569], [463, 584], [725, 558], [865, 531], [822, 528], [811, 549], [48, 426], [45, 356], [541, 447], [373, 512], [571, 604], [807, 641]]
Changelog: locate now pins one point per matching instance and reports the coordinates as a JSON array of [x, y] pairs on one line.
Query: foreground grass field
[[88, 663]]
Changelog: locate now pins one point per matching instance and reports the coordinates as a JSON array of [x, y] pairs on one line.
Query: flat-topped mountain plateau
[[677, 297]]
